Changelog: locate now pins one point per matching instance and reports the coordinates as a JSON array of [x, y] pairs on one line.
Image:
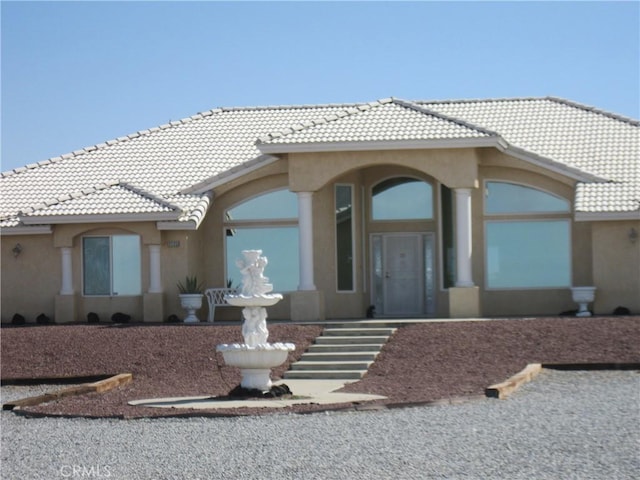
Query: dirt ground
[[421, 363]]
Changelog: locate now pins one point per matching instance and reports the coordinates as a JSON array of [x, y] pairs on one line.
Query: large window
[[269, 223], [402, 198], [448, 237], [522, 254], [111, 265], [532, 248]]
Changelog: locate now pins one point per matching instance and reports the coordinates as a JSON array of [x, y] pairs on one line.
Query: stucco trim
[[22, 230], [357, 146], [188, 225]]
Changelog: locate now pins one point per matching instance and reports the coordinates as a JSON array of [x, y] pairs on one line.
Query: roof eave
[[313, 147], [99, 218], [230, 175], [606, 216], [550, 164]]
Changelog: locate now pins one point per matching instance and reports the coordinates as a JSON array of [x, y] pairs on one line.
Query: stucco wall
[[31, 280], [38, 270], [181, 255], [453, 167], [616, 266]]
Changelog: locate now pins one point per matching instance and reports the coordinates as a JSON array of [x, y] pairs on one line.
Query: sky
[[75, 74]]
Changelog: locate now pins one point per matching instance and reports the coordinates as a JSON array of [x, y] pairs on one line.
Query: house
[[419, 208]]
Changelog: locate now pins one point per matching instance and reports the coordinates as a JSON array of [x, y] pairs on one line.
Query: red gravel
[[421, 363]]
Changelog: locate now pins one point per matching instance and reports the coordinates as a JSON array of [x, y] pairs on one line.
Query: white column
[[67, 281], [463, 237], [155, 285], [305, 227]]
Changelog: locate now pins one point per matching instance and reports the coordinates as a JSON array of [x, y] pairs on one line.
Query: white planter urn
[[583, 296], [191, 302]]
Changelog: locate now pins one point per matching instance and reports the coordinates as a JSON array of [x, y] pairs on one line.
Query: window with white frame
[[111, 265], [268, 222], [527, 237]]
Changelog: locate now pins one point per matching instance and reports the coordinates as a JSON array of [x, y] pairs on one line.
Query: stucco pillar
[[464, 298], [152, 305], [65, 301], [307, 303], [155, 285], [305, 227], [463, 238], [67, 278]]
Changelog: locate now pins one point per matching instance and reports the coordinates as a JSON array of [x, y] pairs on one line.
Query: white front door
[[403, 274]]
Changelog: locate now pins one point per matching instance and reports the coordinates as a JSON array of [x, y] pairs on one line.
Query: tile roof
[[602, 144], [386, 120], [106, 199], [156, 171], [587, 139]]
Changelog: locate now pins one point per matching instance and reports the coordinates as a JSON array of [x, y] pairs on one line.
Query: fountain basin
[[255, 363], [253, 300], [265, 355]]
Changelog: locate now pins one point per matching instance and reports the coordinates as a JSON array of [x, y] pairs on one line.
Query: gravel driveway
[[568, 425]]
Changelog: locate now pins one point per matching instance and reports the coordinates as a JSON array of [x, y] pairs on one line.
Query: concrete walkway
[[320, 392]]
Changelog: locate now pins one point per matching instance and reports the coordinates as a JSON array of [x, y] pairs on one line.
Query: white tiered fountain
[[255, 357]]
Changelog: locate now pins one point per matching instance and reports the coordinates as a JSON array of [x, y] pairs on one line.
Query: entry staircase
[[344, 351]]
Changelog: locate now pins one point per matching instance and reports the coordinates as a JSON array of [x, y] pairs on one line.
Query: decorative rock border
[[504, 389], [500, 390], [99, 386]]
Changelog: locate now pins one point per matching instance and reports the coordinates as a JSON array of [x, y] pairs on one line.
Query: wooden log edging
[[99, 386], [504, 389]]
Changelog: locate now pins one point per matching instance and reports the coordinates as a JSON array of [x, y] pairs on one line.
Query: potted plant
[[190, 297]]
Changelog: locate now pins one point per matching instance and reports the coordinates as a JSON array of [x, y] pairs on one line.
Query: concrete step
[[341, 340], [344, 356], [382, 323], [325, 375], [329, 366], [344, 351], [349, 347], [358, 332]]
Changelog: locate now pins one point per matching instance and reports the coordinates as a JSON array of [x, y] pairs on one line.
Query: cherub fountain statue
[[255, 357]]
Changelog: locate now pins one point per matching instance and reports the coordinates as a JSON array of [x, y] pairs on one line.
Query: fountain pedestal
[[255, 357]]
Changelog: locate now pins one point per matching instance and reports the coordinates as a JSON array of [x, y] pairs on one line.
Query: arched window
[[271, 205], [268, 222], [503, 197], [402, 198], [532, 249]]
